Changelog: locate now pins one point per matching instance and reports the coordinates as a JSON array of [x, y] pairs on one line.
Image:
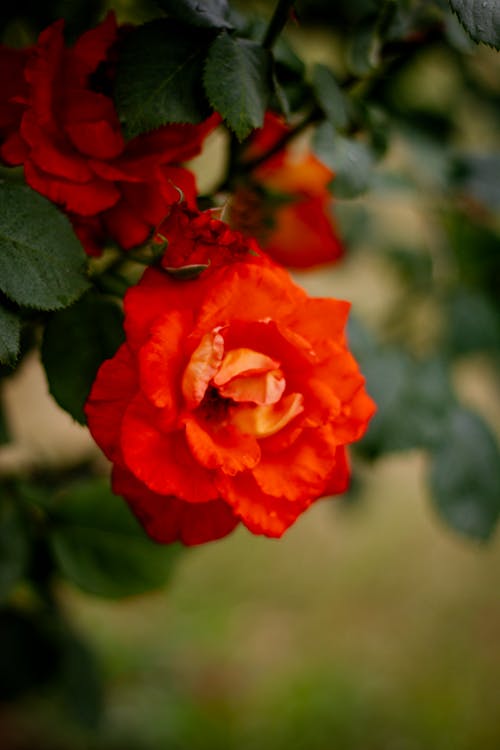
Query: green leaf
[[75, 343], [475, 247], [159, 76], [100, 547], [41, 261], [4, 426], [13, 548], [480, 18], [80, 681], [350, 160], [237, 82], [477, 175], [330, 96], [473, 322], [29, 653], [465, 476], [363, 51], [414, 398], [10, 336], [211, 14]]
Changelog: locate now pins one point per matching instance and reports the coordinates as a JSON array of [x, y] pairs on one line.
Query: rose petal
[[204, 362], [115, 386], [263, 421], [167, 519], [161, 459], [85, 199], [261, 513], [273, 295], [300, 471], [225, 449], [92, 47], [263, 389], [161, 360], [243, 361]]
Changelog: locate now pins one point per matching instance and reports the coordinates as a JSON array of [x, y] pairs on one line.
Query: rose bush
[[62, 125], [233, 397], [286, 203]]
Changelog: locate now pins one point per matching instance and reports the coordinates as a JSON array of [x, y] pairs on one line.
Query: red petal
[[162, 361], [91, 122], [97, 139], [43, 69], [168, 519], [15, 150], [303, 235], [322, 322], [125, 227], [226, 449], [301, 471], [161, 459], [86, 199], [51, 152], [171, 143], [267, 291], [92, 48], [338, 481], [155, 295], [261, 513], [90, 232], [115, 385], [14, 88]]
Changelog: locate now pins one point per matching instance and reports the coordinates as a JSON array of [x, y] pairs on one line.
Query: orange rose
[[233, 399], [287, 204]]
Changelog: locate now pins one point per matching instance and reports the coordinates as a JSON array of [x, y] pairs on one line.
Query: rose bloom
[[286, 203], [232, 399], [61, 124]]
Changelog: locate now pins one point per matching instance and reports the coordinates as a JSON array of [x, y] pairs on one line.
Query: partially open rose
[[62, 125], [286, 202], [233, 399]]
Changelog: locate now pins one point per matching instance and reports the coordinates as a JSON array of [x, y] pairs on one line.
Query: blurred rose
[[286, 203]]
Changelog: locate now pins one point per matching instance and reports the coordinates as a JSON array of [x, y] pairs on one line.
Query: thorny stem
[[391, 54], [314, 116], [277, 22]]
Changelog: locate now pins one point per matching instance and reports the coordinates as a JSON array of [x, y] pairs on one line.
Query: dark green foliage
[[80, 681], [465, 476], [10, 336], [41, 260], [476, 175], [212, 14], [100, 547], [350, 159], [237, 82], [330, 97], [14, 545], [413, 401], [473, 323], [481, 18], [75, 343], [29, 657], [159, 76]]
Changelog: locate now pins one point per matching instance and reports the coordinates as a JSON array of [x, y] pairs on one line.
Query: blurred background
[[373, 624]]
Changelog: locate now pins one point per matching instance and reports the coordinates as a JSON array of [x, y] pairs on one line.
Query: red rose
[[200, 239], [13, 90], [287, 204], [70, 143], [233, 399]]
